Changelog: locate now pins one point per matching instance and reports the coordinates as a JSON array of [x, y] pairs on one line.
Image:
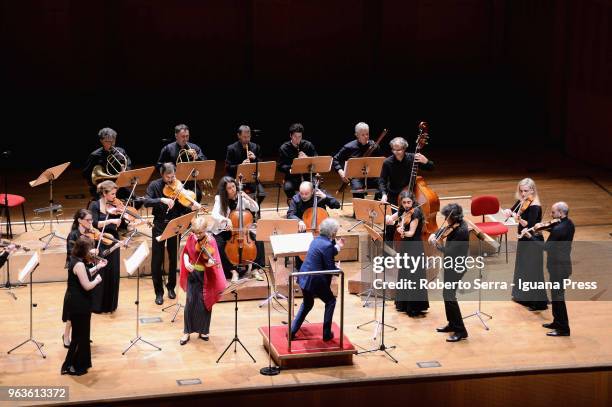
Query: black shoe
[[171, 293], [457, 337], [182, 342], [551, 325], [159, 299], [204, 338], [538, 308], [446, 328], [558, 332], [329, 337]]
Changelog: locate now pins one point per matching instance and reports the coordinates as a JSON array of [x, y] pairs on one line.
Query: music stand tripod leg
[[236, 340]]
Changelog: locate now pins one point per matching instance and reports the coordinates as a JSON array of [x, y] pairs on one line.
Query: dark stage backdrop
[[529, 73]]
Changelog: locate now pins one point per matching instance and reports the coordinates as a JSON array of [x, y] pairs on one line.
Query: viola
[[177, 192], [445, 231], [520, 207], [205, 251], [538, 228], [240, 248], [107, 238], [130, 214], [404, 223]]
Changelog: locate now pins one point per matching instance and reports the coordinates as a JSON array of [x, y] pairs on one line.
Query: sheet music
[[29, 267], [291, 244], [136, 259]]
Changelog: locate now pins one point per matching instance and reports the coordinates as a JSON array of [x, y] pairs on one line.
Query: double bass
[[368, 153], [426, 198], [240, 248], [313, 217]]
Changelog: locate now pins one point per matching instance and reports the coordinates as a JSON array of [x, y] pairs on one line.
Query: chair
[[489, 205], [8, 201]]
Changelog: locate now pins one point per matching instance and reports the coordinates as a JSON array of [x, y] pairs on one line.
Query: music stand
[[311, 165], [174, 228], [265, 229], [291, 245], [232, 288], [49, 175], [363, 167], [29, 269], [259, 172], [376, 237], [196, 171], [133, 178], [133, 264], [481, 236]]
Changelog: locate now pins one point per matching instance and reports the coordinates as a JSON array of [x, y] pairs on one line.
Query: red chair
[[489, 205], [8, 201]]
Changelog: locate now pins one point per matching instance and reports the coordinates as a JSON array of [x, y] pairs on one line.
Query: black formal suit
[[235, 155], [286, 154]]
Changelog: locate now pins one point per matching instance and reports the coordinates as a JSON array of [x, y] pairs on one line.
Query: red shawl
[[214, 278]]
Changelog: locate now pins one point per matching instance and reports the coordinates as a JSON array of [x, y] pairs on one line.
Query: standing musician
[[408, 232], [559, 263], [296, 147], [201, 278], [529, 263], [244, 151], [457, 244], [162, 195], [226, 201], [320, 257], [106, 163], [170, 152], [305, 199], [353, 149]]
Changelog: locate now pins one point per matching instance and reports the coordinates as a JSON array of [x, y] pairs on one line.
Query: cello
[[313, 217], [240, 248], [426, 198]]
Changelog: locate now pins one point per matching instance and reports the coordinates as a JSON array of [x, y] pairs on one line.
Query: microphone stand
[[268, 370]]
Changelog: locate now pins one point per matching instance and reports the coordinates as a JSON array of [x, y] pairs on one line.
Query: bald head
[[306, 188]]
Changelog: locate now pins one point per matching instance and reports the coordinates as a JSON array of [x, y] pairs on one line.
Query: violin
[[6, 243], [538, 228], [240, 248], [206, 252], [521, 207], [177, 192], [315, 215], [130, 214], [107, 238], [445, 231], [404, 223]]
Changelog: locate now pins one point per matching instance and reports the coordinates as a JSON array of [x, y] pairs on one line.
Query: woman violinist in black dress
[[78, 305], [410, 220], [529, 264], [106, 216]]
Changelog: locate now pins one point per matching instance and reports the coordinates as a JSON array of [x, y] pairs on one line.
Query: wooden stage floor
[[515, 343]]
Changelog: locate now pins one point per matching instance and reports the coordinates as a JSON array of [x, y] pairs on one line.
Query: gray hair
[[329, 227], [179, 127], [399, 141], [107, 134], [563, 207], [242, 128], [361, 126]]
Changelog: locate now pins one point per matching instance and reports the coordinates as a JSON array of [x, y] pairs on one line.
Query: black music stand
[[133, 264], [175, 228], [49, 175], [232, 288], [29, 269], [363, 167], [196, 171]]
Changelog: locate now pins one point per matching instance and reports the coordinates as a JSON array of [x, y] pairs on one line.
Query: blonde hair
[[199, 224], [526, 182], [105, 187]]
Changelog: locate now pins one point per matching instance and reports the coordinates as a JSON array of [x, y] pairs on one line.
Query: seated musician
[[305, 199], [226, 201], [354, 149], [165, 208], [396, 174], [170, 152], [320, 257], [296, 147], [101, 157], [244, 151]]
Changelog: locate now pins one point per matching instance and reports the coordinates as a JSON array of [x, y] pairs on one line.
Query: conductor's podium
[[308, 350]]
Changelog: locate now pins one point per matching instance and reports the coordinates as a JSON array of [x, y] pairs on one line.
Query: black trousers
[[359, 183], [157, 261], [559, 310], [328, 298], [451, 306], [261, 192], [291, 185]]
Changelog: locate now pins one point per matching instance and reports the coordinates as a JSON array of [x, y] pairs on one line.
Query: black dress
[[105, 296], [529, 265], [415, 300], [70, 240], [78, 305]]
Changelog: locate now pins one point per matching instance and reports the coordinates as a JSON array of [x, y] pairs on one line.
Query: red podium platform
[[308, 349]]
